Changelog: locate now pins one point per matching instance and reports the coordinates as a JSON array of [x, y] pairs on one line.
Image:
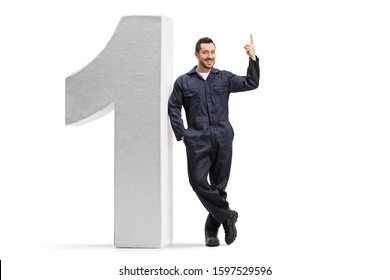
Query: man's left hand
[[250, 49]]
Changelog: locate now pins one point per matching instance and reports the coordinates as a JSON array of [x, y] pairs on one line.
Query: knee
[[198, 184]]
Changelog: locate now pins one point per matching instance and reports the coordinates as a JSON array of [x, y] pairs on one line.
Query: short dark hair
[[204, 40]]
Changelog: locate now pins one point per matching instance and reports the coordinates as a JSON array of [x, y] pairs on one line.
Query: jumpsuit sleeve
[[175, 104], [250, 81]]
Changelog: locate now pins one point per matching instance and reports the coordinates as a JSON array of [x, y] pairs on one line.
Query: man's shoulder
[[185, 75], [223, 71], [191, 72]]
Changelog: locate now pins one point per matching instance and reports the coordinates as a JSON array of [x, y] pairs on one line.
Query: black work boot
[[230, 227], [211, 237]]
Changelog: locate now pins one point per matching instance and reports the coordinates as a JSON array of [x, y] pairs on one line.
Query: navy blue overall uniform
[[209, 135]]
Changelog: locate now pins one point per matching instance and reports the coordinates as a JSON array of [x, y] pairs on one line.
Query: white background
[[310, 173]]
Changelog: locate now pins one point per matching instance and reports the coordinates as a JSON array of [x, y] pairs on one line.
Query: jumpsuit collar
[[193, 70]]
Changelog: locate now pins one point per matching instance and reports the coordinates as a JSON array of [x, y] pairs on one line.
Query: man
[[204, 92]]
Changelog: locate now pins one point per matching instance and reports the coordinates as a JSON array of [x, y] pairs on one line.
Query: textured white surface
[[133, 74]]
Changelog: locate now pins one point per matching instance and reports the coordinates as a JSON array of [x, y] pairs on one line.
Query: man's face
[[206, 56]]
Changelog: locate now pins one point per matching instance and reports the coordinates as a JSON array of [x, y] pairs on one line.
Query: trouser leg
[[221, 159], [200, 163]]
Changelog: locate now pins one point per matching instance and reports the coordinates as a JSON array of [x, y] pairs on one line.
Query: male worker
[[204, 92]]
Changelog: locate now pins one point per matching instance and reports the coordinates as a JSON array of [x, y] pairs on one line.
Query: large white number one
[[133, 76]]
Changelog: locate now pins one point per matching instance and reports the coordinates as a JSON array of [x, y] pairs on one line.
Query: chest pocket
[[220, 96], [221, 90], [191, 99], [190, 93]]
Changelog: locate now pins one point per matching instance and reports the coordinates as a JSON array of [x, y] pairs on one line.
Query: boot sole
[[228, 242]]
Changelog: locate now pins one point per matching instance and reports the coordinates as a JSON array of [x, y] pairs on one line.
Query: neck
[[202, 69]]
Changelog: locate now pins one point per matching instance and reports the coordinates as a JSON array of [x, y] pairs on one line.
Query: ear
[[196, 54]]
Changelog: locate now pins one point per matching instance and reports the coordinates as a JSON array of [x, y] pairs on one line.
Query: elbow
[[254, 84]]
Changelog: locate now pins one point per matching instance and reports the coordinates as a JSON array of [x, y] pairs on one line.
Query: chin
[[208, 66]]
